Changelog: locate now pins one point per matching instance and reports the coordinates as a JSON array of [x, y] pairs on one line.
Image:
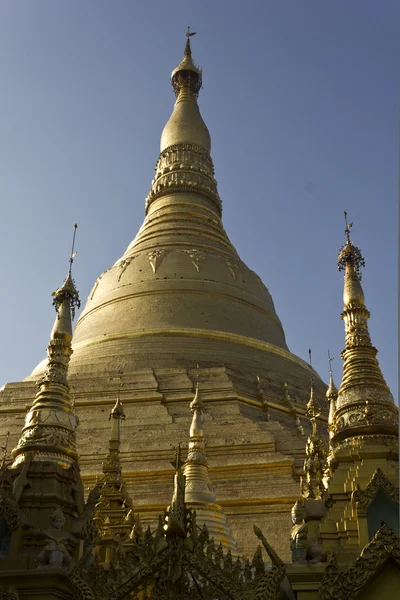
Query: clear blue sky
[[302, 101]]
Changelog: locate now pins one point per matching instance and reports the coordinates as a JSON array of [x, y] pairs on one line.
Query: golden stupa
[[180, 297], [180, 324]]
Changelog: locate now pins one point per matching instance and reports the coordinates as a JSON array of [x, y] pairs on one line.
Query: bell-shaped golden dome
[[180, 294]]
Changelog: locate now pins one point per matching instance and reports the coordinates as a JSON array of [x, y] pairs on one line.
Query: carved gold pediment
[[347, 585], [378, 481]]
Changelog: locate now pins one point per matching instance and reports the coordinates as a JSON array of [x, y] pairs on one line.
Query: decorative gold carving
[[67, 292], [155, 257], [122, 265], [196, 256], [364, 414], [233, 268], [378, 481], [348, 585]]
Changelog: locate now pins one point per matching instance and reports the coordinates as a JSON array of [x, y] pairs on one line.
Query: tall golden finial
[[50, 425], [312, 485], [349, 254], [186, 79], [68, 290]]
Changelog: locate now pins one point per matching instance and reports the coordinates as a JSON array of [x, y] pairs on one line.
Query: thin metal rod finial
[[73, 254], [189, 33], [330, 359], [348, 227], [311, 368]]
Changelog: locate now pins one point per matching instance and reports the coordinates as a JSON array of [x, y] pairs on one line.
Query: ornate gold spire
[[364, 404], [199, 493], [50, 425], [312, 485]]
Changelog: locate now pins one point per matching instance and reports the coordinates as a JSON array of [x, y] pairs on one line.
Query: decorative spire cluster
[[312, 485], [50, 424], [364, 404], [114, 512]]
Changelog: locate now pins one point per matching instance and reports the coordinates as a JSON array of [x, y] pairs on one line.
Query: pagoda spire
[[185, 165], [49, 433], [312, 485], [364, 404], [199, 493], [114, 512]]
